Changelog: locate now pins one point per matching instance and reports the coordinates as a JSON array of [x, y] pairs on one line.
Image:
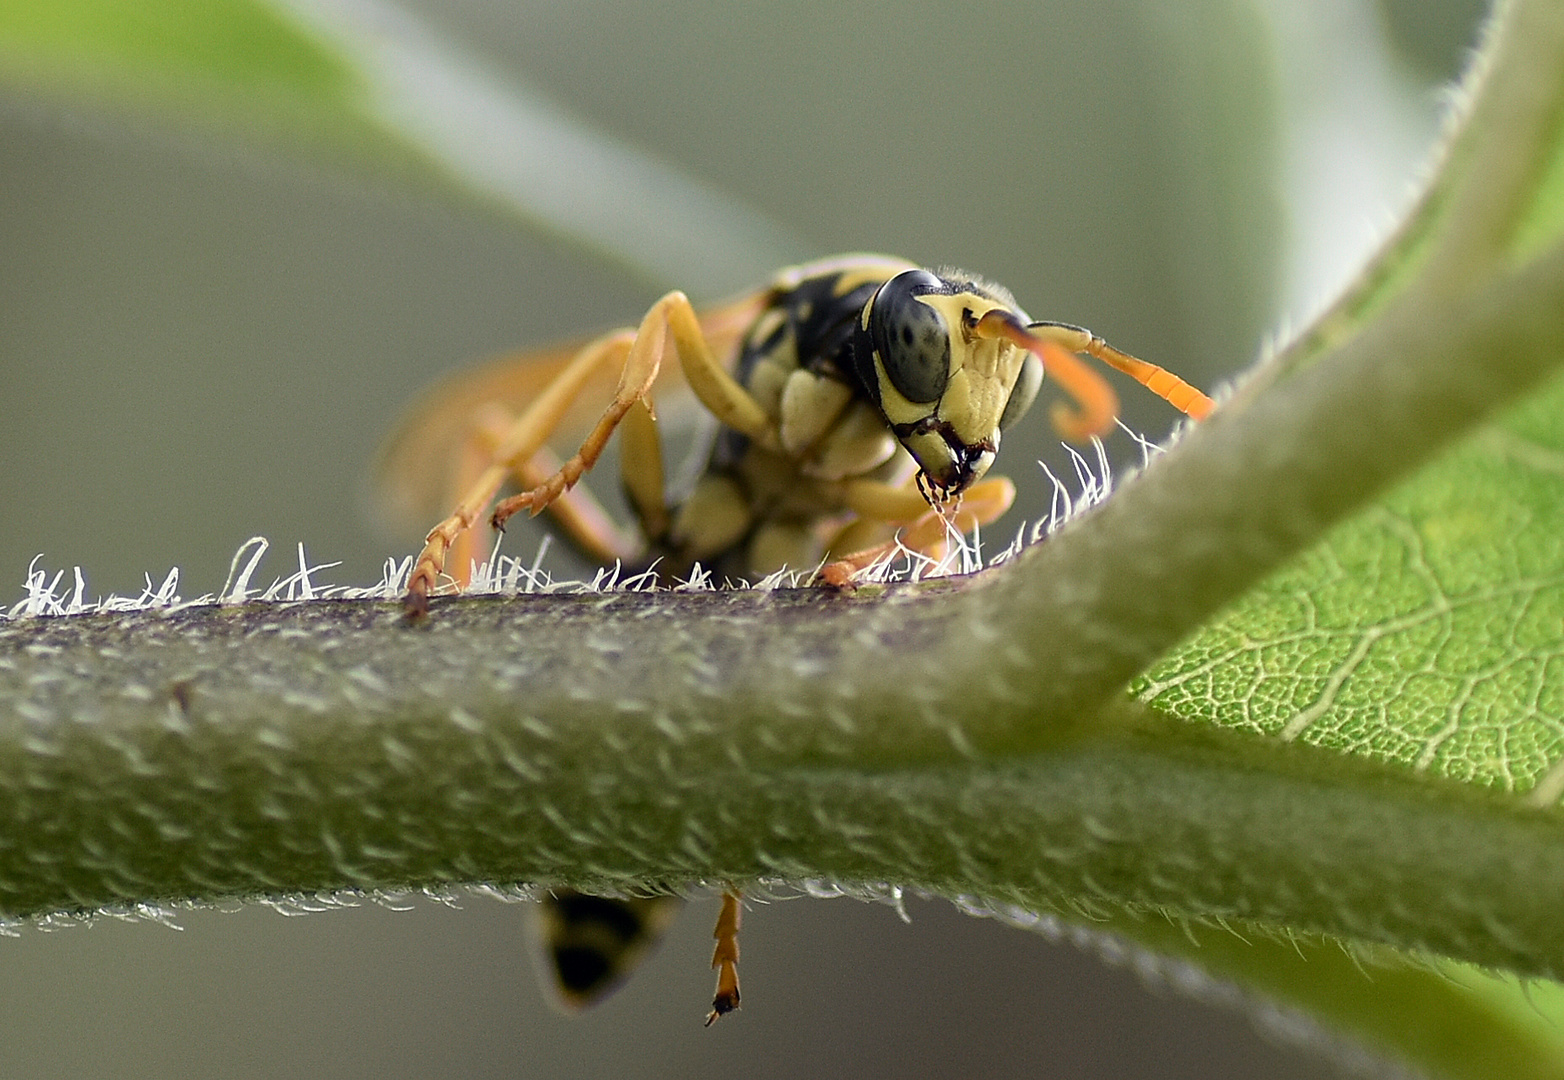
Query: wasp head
[[946, 389]]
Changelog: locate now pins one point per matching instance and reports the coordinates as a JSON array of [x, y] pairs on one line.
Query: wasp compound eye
[[1028, 382], [910, 337]]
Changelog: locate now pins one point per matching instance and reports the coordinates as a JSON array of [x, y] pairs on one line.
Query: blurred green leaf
[[372, 80], [228, 62], [1362, 1007], [202, 45]]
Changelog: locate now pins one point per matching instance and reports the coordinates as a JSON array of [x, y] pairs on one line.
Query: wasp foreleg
[[874, 502]]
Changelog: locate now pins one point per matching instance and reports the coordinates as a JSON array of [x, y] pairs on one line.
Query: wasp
[[858, 401]]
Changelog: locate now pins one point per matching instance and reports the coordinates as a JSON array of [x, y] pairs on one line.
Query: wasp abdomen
[[593, 942]]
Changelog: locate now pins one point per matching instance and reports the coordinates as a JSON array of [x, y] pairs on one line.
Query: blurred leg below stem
[[726, 958]]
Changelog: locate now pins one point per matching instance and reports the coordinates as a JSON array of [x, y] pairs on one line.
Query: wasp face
[[945, 392]]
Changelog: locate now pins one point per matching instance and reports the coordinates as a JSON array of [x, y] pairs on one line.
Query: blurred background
[[211, 313]]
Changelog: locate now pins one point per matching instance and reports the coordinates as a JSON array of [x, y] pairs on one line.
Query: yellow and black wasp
[[856, 399]]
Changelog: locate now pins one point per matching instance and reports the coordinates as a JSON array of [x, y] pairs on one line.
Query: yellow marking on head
[[983, 371], [897, 409]]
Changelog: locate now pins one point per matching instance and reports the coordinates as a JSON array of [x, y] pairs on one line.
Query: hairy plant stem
[[949, 735]]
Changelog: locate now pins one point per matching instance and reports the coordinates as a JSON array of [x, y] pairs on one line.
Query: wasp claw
[[722, 1005], [415, 607]]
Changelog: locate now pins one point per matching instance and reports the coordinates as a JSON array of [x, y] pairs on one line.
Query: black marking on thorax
[[821, 325], [818, 319]]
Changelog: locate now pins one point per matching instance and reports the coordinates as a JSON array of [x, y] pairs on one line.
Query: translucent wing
[[412, 482]]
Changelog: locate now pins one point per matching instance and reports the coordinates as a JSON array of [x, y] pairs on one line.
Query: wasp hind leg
[[725, 958], [586, 525], [502, 446]]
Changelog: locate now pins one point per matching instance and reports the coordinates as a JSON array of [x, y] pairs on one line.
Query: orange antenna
[[1096, 404], [1159, 380]]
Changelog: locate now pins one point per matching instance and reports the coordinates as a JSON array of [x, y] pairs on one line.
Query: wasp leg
[[721, 393], [641, 470], [586, 523], [578, 514], [984, 502], [879, 501], [725, 958], [1160, 381], [673, 318], [525, 437], [489, 424], [869, 538]]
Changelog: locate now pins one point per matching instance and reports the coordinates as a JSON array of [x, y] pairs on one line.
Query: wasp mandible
[[856, 398]]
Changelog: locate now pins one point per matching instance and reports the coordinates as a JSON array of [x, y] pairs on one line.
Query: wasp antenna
[[1096, 405], [1159, 380]]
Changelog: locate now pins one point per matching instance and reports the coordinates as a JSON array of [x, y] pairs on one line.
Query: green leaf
[[1366, 1006], [221, 42], [226, 62], [1424, 632]]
